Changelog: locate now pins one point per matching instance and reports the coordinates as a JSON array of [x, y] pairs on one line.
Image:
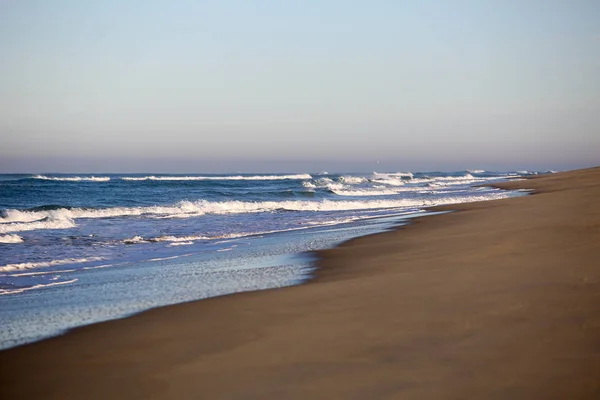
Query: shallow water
[[80, 249]]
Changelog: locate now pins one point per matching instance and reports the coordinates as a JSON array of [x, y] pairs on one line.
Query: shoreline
[[452, 305]]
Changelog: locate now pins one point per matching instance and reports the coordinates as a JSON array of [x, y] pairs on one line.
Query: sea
[[76, 249]]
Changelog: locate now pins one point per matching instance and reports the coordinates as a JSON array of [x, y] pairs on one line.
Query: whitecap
[[33, 221], [73, 178], [218, 178], [11, 239]]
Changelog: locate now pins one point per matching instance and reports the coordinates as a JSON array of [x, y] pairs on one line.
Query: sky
[[253, 86]]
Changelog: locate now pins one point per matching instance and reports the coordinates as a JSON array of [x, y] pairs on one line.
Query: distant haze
[[264, 86]]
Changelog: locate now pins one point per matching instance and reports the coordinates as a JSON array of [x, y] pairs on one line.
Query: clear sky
[[211, 86]]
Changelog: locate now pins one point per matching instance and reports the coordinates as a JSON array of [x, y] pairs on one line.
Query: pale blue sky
[[208, 86]]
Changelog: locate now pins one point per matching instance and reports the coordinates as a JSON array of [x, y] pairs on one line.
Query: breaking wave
[[16, 220], [73, 178], [11, 239], [392, 179], [174, 178], [217, 178], [34, 220], [353, 180]]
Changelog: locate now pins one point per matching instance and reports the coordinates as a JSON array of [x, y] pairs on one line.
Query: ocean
[[79, 248]]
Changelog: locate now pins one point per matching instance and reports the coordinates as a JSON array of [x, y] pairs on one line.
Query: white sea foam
[[104, 266], [64, 218], [476, 171], [352, 180], [10, 238], [34, 220], [172, 239], [31, 265], [455, 178], [463, 178], [329, 184], [389, 180], [164, 258], [39, 286], [393, 174], [347, 185], [177, 238], [73, 178], [450, 180], [217, 178], [63, 271], [364, 192], [135, 240], [180, 243], [333, 222], [225, 238]]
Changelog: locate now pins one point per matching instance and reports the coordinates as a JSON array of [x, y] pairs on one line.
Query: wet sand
[[500, 300]]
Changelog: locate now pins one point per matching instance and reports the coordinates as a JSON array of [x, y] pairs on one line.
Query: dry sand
[[500, 300]]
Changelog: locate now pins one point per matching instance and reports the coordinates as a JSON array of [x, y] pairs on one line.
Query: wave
[[31, 265], [381, 184], [347, 186], [364, 192], [187, 240], [217, 178], [16, 220], [63, 271], [465, 179], [73, 178], [407, 175], [32, 223], [390, 181], [166, 258], [535, 172], [47, 207], [171, 239], [344, 186], [38, 286], [11, 239], [428, 178], [353, 180]]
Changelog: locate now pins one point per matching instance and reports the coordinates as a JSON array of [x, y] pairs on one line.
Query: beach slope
[[498, 300]]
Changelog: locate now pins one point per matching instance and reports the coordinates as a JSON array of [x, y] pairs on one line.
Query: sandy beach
[[498, 300]]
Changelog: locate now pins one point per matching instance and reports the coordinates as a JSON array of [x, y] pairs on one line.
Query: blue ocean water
[[76, 249]]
